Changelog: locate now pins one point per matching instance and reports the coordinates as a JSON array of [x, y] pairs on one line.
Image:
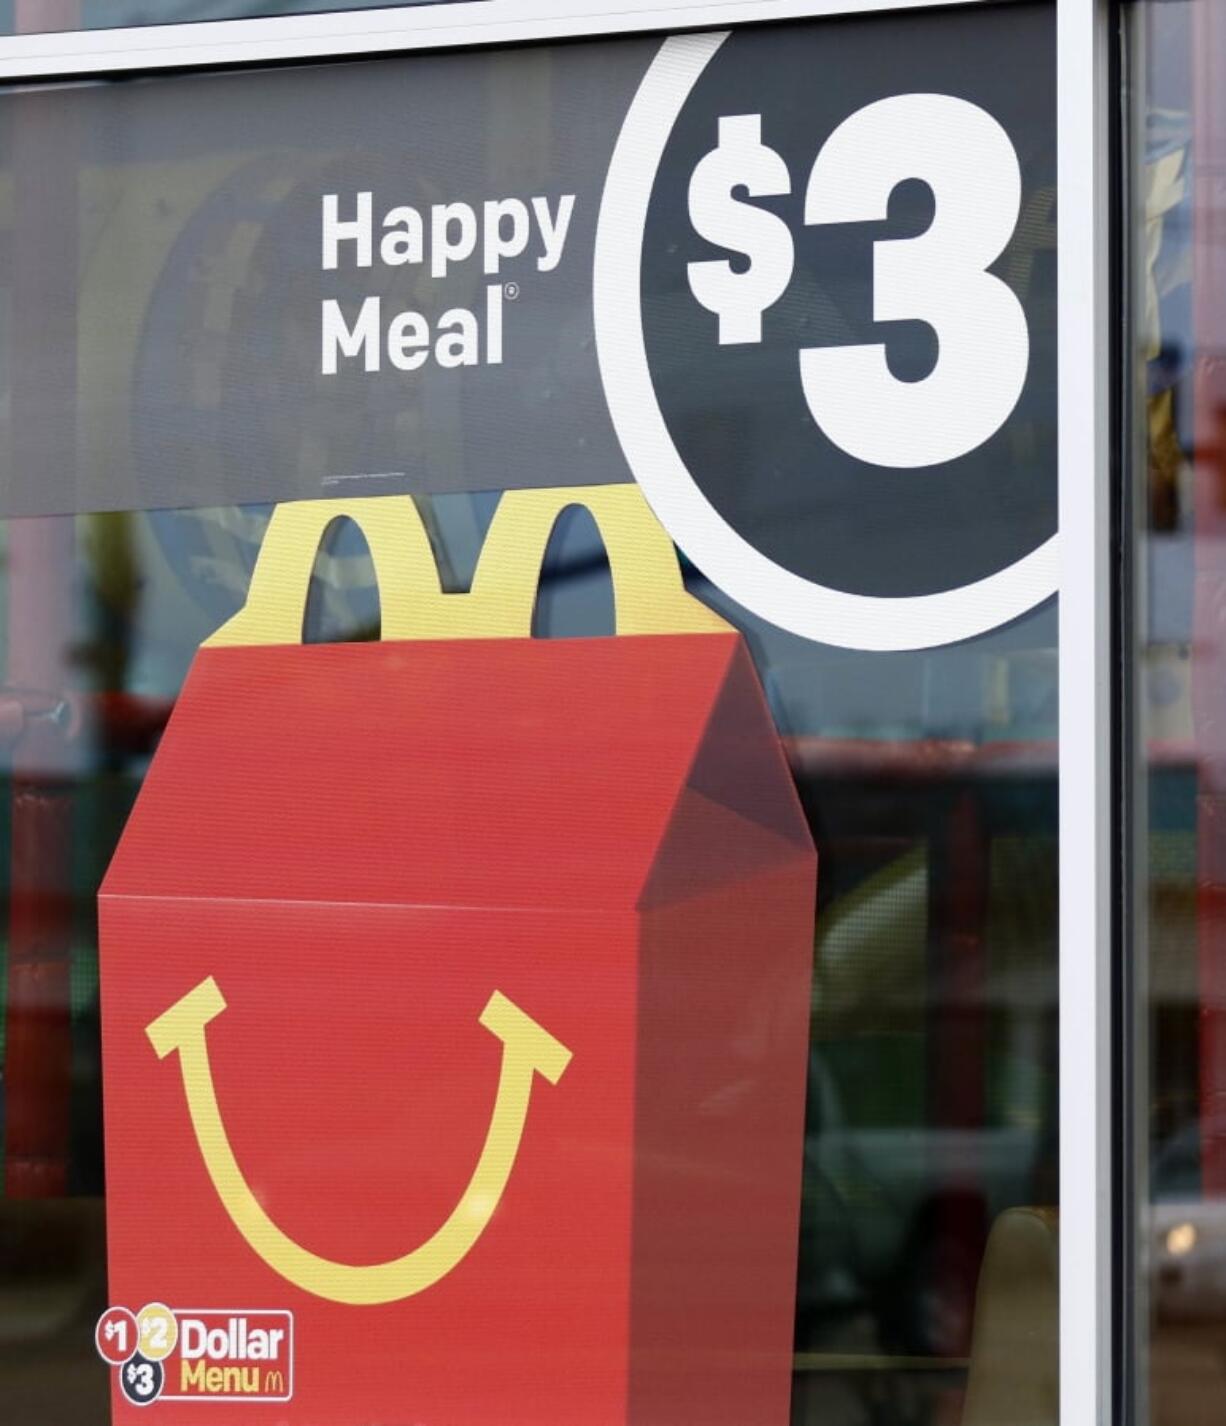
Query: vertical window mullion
[[1085, 712]]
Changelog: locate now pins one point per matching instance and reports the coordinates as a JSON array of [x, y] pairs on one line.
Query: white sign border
[[729, 561]]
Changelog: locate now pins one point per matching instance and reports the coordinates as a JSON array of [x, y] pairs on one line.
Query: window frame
[[1087, 795]]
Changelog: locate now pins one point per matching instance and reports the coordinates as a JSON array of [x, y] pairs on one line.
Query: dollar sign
[[741, 160]]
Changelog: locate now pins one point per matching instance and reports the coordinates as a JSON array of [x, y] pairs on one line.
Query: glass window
[[1175, 135], [890, 1052]]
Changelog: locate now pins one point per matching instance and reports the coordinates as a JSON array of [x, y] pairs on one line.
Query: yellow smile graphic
[[527, 1049]]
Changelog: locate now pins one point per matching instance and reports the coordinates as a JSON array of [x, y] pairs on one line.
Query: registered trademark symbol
[[510, 290]]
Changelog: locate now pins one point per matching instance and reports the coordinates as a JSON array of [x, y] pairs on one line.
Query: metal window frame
[[1087, 1386]]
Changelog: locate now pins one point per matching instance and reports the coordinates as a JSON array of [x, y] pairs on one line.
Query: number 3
[[967, 160]]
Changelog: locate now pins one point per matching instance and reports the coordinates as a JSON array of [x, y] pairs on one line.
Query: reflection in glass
[[1175, 141], [932, 1095], [926, 1291]]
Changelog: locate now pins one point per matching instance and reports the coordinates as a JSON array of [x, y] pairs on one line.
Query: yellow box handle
[[648, 593]]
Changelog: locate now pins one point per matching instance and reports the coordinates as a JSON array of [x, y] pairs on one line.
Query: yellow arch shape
[[648, 592], [527, 1050]]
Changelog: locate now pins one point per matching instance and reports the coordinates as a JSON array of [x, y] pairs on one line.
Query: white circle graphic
[[828, 616]]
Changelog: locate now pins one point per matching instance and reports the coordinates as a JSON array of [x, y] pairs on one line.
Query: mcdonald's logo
[[648, 591]]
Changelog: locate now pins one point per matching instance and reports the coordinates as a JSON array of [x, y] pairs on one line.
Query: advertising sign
[[796, 280], [456, 983], [475, 1045]]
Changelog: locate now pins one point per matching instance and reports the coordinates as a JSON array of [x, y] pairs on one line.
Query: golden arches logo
[[527, 1050], [648, 591]]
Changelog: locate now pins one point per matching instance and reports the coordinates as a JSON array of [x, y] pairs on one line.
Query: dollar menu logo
[[837, 383], [166, 1354]]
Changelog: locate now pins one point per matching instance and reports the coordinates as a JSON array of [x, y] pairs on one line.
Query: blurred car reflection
[[1187, 1234], [895, 1219]]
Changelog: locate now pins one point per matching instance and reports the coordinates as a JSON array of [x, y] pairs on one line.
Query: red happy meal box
[[455, 1008]]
